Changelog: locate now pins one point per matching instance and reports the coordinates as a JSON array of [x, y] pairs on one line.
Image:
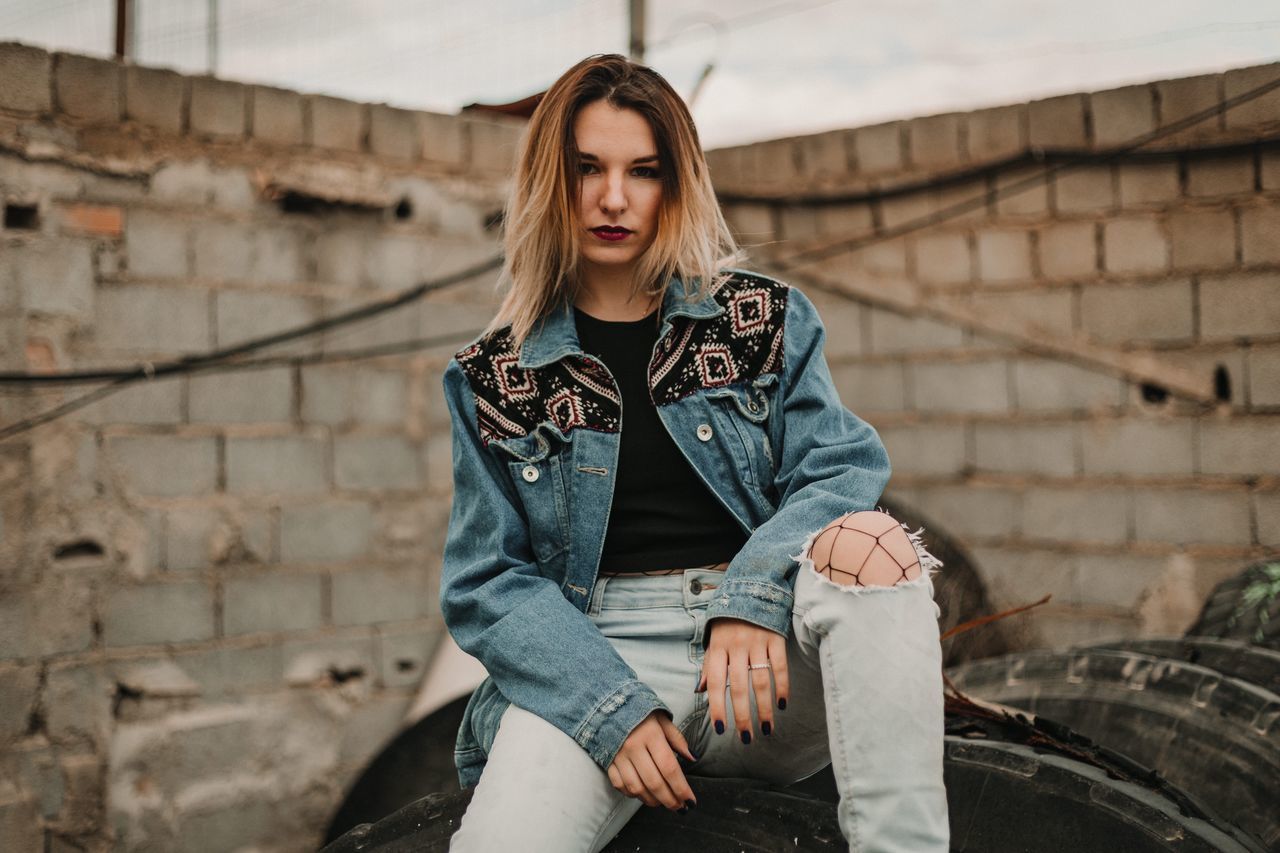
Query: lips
[[612, 232]]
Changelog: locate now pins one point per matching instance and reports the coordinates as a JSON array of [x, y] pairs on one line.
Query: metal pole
[[212, 29], [122, 27], [637, 30]]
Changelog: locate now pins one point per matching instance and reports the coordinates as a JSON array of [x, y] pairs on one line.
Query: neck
[[606, 294]]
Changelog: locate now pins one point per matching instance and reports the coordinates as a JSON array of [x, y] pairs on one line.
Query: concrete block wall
[[1055, 475], [218, 592]]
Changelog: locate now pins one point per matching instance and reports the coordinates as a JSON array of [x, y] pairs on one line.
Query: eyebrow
[[650, 158]]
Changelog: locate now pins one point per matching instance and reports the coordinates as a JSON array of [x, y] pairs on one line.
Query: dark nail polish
[[684, 810], [746, 737], [719, 727], [767, 728], [689, 804], [782, 704]]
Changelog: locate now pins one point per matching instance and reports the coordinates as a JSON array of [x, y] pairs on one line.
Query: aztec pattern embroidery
[[743, 342]]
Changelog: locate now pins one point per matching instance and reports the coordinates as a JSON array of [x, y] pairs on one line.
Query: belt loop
[[597, 595]]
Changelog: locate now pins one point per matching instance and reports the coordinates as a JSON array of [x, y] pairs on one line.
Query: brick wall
[[1017, 359], [218, 592]]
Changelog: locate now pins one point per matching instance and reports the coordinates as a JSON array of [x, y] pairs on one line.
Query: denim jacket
[[740, 382]]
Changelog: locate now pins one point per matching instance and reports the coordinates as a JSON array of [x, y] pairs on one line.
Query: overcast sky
[[780, 68]]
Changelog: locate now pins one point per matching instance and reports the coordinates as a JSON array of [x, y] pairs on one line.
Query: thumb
[[676, 739]]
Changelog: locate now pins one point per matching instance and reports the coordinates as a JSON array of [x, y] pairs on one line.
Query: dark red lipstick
[[611, 232]]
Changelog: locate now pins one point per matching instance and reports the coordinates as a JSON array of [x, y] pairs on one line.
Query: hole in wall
[[404, 209], [78, 548], [21, 217], [124, 693], [1222, 383], [292, 201], [406, 665], [493, 220], [1153, 393], [342, 676]]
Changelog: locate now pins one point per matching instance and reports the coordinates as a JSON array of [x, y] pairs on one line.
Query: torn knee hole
[[865, 548]]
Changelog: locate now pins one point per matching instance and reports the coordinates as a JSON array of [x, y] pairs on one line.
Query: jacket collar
[[557, 336]]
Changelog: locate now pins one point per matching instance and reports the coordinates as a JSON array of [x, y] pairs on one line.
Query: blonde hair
[[540, 239]]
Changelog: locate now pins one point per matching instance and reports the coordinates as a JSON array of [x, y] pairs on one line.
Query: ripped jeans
[[866, 697]]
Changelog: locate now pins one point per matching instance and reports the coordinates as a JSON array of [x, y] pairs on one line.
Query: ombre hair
[[541, 237]]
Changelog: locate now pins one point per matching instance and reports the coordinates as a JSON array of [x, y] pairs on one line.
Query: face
[[621, 187]]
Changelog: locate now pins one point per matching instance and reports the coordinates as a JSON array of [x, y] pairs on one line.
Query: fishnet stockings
[[827, 570]]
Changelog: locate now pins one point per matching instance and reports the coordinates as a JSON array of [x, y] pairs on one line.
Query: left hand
[[734, 644]]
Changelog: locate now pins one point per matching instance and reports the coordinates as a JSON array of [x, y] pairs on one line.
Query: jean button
[[704, 432], [695, 586]]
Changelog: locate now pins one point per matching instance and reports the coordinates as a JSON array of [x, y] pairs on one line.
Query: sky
[[777, 68]]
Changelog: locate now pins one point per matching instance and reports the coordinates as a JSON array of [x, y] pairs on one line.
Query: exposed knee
[[865, 548]]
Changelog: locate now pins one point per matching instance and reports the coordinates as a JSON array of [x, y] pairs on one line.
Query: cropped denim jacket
[[740, 382]]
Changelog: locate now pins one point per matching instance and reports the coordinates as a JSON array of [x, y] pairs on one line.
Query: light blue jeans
[[866, 696]]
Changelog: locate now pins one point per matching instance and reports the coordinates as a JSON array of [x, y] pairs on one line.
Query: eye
[[649, 172], [586, 168]]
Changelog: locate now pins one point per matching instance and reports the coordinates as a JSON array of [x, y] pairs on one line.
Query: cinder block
[[1003, 256], [142, 318], [184, 182], [244, 315], [934, 141], [27, 73], [94, 220], [1051, 385], [1219, 176], [1057, 122], [153, 402], [1048, 309], [879, 148], [309, 663], [53, 617], [55, 277], [1134, 245], [1076, 516], [246, 396], [936, 449], [970, 511], [1239, 305], [290, 465], [871, 387], [87, 88], [910, 207], [218, 108], [493, 145], [894, 333], [778, 162], [340, 256], [157, 613], [164, 465], [751, 223], [823, 156], [337, 124], [156, 97], [236, 669], [371, 596], [1147, 312], [970, 386], [1028, 448], [1068, 249], [156, 245], [401, 324], [797, 222], [371, 726], [20, 825], [1083, 189], [188, 538], [1138, 447], [1246, 447], [1202, 239], [443, 140], [277, 115], [1185, 517], [375, 462], [944, 258], [1022, 192], [1180, 99], [997, 133], [404, 652], [223, 251], [1260, 234], [396, 261], [1264, 376], [329, 532], [1151, 183], [393, 133], [1018, 575], [1122, 115], [1267, 507], [1116, 580], [19, 689], [1260, 111], [271, 603], [1270, 168], [342, 396], [843, 319]]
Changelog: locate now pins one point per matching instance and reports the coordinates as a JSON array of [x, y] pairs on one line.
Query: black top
[[663, 515]]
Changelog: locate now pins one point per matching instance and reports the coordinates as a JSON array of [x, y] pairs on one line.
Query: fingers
[[739, 692], [714, 671], [676, 739], [781, 674], [762, 685], [632, 785]]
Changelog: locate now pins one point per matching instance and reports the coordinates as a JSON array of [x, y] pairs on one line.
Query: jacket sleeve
[[544, 654], [830, 462]]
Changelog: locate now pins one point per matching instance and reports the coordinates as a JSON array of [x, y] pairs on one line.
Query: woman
[[709, 591]]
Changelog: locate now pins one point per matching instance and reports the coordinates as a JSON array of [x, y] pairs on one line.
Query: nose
[[614, 197]]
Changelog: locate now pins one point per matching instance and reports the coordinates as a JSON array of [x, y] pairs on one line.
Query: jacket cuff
[[758, 602], [613, 719]]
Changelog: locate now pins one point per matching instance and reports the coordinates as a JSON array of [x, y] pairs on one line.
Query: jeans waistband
[[690, 588]]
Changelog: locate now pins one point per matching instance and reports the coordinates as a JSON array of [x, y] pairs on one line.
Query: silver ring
[[760, 666]]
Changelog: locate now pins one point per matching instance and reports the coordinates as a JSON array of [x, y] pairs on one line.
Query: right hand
[[646, 766]]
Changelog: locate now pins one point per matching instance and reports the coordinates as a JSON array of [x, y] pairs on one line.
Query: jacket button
[[704, 432], [752, 406], [695, 586], [529, 473]]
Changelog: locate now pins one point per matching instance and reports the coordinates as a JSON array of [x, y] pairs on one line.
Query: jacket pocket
[[536, 463], [747, 407]]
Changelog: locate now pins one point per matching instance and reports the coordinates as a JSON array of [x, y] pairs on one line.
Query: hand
[[734, 644], [646, 765]]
